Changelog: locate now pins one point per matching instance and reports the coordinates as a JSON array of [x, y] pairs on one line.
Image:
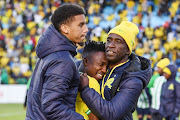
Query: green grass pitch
[[12, 112], [17, 112]]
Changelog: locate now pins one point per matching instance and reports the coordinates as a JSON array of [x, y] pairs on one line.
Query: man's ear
[[127, 51], [64, 29], [85, 61]]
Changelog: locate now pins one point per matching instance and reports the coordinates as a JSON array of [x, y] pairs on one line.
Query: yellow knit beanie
[[128, 31], [163, 63], [167, 70]]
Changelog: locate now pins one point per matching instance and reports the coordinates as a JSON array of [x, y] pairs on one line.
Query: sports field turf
[[17, 112], [12, 112]]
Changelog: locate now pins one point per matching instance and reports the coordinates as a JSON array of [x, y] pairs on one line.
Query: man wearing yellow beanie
[[128, 31], [162, 64], [126, 77], [155, 86]]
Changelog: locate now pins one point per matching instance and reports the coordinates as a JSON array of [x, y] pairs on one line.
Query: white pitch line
[[11, 114]]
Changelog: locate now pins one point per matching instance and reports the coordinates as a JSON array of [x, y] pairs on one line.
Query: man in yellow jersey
[[126, 77], [94, 63]]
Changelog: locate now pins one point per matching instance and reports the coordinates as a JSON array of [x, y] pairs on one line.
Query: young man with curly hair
[[94, 64]]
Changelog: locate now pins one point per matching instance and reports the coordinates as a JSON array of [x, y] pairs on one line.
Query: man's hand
[[84, 80]]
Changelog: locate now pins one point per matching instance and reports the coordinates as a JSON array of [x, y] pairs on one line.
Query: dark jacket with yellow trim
[[134, 79], [170, 95]]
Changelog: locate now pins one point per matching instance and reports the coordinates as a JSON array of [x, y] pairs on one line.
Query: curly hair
[[91, 47], [65, 14]]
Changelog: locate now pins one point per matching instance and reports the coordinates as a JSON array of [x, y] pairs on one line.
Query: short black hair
[[91, 47], [65, 14]]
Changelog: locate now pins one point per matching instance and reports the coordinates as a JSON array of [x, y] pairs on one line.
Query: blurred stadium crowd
[[22, 23]]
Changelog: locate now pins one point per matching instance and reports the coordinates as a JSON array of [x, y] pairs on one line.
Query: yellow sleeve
[[81, 107], [93, 83]]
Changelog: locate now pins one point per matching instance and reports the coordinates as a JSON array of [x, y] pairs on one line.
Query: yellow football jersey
[[81, 107]]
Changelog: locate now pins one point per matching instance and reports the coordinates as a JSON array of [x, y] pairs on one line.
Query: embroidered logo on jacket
[[109, 83], [171, 87]]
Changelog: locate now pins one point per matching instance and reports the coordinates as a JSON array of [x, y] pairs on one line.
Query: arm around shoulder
[[121, 104]]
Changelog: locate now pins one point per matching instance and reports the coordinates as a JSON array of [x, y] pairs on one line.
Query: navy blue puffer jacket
[[54, 85], [170, 95]]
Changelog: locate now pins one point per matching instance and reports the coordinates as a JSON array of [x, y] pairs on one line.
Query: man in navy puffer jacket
[[170, 96], [126, 77], [55, 80]]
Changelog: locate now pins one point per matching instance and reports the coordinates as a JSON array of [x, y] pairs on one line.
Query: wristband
[[88, 112]]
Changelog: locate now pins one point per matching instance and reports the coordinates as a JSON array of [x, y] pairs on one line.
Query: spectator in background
[[143, 105], [164, 7], [55, 80], [155, 86], [94, 63], [170, 95], [3, 76], [2, 42], [126, 77]]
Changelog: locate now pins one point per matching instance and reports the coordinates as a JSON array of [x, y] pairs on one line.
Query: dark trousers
[[172, 117], [156, 117]]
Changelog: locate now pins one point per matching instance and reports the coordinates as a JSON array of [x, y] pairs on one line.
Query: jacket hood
[[173, 70], [52, 41], [140, 67]]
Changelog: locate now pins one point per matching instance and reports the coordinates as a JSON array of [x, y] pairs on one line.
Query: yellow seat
[[4, 61], [24, 60]]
